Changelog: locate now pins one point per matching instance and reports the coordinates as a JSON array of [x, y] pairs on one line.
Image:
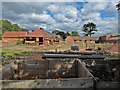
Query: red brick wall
[[69, 40], [107, 36], [111, 41], [11, 39], [84, 41]]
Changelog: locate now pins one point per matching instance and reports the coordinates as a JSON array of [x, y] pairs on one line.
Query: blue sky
[[64, 16]]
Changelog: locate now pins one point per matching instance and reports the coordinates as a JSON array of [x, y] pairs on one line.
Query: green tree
[[55, 31], [68, 34], [6, 25], [75, 33], [62, 34], [89, 29], [16, 27]]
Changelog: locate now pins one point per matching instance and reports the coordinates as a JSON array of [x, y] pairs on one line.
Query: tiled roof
[[14, 33], [38, 33], [84, 38]]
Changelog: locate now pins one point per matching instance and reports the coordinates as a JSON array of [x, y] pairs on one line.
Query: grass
[[9, 55], [81, 45], [64, 46], [104, 45], [12, 52]]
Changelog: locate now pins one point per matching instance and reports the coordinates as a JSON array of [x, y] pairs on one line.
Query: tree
[[89, 29], [75, 33], [62, 34], [41, 28], [55, 31], [68, 34], [16, 27], [6, 25]]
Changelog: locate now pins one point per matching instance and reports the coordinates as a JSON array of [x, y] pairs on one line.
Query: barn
[[10, 36], [40, 37], [77, 39]]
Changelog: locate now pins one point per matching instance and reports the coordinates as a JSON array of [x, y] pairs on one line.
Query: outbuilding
[[40, 37], [85, 39], [10, 36]]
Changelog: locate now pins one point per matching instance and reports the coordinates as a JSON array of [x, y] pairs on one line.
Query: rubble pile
[[104, 70], [113, 48]]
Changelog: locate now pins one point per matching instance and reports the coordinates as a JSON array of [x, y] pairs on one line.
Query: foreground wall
[[63, 73]]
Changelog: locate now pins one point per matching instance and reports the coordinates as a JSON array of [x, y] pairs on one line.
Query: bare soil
[[113, 48]]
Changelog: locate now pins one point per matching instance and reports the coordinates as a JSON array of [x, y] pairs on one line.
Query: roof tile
[[14, 33], [37, 33]]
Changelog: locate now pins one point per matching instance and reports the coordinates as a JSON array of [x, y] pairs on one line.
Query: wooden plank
[[31, 67], [31, 62], [27, 73], [60, 72], [61, 66]]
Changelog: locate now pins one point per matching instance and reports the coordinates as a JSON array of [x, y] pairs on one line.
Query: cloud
[[64, 16]]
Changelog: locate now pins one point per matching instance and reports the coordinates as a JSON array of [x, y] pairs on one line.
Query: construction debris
[[113, 48]]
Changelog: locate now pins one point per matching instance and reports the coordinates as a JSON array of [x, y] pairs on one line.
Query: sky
[[63, 16]]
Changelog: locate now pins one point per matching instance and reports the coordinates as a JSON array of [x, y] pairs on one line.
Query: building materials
[[75, 48], [73, 56]]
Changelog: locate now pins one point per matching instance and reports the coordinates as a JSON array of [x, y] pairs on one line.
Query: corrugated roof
[[48, 33], [14, 33], [84, 38]]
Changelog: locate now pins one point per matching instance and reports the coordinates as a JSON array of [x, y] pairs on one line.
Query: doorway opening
[[40, 40]]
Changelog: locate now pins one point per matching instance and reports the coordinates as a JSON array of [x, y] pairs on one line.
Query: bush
[[19, 43]]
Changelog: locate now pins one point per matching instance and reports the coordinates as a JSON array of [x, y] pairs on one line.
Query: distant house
[[102, 39], [39, 37], [114, 39], [77, 39], [9, 36]]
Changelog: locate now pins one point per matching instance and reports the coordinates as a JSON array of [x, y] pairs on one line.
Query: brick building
[[114, 39], [102, 39], [40, 37], [9, 36], [85, 39]]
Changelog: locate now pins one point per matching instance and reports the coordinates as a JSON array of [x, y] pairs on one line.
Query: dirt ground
[[59, 47]]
